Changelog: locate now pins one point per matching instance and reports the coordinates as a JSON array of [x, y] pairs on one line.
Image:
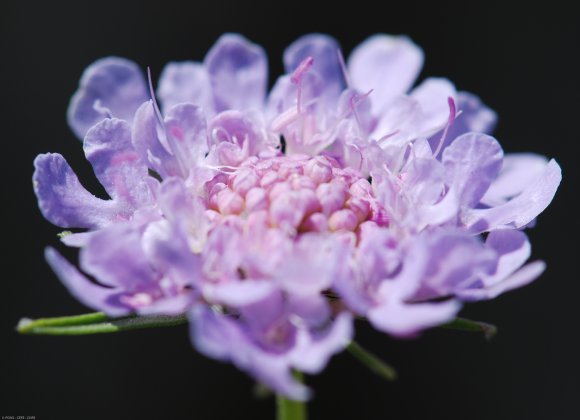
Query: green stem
[[372, 362], [95, 323], [464, 324], [289, 409]]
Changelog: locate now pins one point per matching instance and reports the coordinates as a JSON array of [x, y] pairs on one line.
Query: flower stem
[[95, 323], [289, 409]]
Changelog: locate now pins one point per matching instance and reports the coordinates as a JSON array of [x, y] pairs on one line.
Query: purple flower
[[274, 219]]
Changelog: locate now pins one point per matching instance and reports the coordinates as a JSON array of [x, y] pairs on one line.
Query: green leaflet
[[95, 323]]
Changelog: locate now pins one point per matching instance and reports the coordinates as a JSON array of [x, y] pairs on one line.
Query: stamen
[[288, 117], [327, 136], [154, 99], [386, 137], [284, 119], [355, 100], [302, 68], [343, 68], [182, 167], [450, 121], [355, 147], [220, 168], [296, 78], [399, 182], [400, 162]]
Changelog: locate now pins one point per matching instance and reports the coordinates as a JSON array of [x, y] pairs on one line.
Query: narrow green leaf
[[95, 323], [463, 324], [26, 324], [372, 362]]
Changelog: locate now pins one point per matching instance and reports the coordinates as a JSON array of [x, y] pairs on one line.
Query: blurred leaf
[[95, 323], [463, 324], [372, 362]]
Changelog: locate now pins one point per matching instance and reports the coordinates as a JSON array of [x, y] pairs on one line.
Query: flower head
[[272, 220]]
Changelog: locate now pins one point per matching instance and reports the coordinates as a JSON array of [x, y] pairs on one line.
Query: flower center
[[296, 193]]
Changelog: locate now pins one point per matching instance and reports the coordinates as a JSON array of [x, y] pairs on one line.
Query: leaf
[[372, 362], [95, 323], [464, 324]]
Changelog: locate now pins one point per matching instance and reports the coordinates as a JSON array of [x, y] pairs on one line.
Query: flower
[[273, 219]]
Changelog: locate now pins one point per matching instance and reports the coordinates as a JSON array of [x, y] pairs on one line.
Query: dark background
[[523, 62]]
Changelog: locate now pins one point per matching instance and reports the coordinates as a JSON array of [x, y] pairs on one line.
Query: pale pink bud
[[319, 170], [256, 199], [316, 222], [243, 181], [229, 202], [331, 197], [343, 219], [359, 207]]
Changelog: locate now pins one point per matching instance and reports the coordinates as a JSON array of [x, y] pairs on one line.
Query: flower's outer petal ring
[[238, 72], [116, 83], [62, 199], [386, 64], [82, 288]]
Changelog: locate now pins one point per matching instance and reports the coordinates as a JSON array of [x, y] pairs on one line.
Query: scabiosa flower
[[272, 220]]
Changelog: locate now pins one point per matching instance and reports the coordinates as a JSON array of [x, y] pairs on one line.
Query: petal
[[513, 249], [116, 83], [475, 116], [399, 122], [116, 164], [519, 170], [520, 278], [522, 209], [238, 72], [174, 305], [185, 211], [187, 125], [436, 214], [212, 334], [313, 353], [181, 205], [263, 314], [312, 265], [424, 181], [238, 293], [76, 240], [90, 294], [404, 285], [471, 163], [167, 249], [406, 320], [456, 261], [146, 140], [185, 82], [62, 199], [324, 50], [115, 257], [432, 95], [222, 338], [313, 309], [223, 253], [282, 100], [387, 64]]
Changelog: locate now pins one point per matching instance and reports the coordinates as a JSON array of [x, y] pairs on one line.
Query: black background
[[521, 59]]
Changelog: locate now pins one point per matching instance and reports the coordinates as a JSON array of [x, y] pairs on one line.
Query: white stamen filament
[[182, 167]]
